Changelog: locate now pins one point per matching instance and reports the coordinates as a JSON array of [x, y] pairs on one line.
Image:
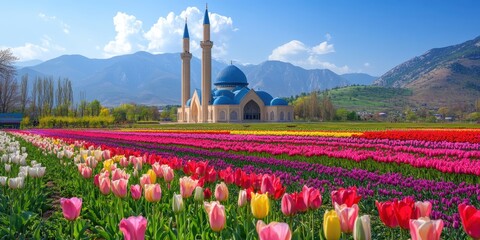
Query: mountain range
[[442, 77], [155, 79]]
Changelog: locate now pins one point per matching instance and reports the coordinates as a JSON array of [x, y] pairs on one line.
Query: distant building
[[10, 120], [231, 100]]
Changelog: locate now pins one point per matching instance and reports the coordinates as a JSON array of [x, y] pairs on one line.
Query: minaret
[[186, 57], [206, 45]]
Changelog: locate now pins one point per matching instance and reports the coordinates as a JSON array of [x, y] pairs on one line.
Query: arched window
[[222, 115], [251, 111], [233, 116], [272, 116], [282, 116]]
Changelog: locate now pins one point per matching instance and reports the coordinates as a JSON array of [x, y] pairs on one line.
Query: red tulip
[[470, 217], [288, 205], [345, 196], [404, 211], [71, 207], [227, 175], [387, 213], [133, 228], [273, 231], [207, 193], [267, 185], [136, 191], [301, 204]]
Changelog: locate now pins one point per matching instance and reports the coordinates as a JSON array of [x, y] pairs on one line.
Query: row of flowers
[[435, 135], [201, 166], [444, 160]]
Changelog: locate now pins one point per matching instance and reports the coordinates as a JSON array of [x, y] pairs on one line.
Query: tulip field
[[240, 184]]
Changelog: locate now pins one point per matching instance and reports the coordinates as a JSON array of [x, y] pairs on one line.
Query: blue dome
[[224, 92], [189, 101], [278, 102], [231, 76], [222, 100], [266, 97]]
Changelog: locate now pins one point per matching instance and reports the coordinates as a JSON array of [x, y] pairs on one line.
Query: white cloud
[[328, 36], [297, 53], [126, 26], [366, 64], [323, 48], [166, 34], [65, 27], [31, 51]]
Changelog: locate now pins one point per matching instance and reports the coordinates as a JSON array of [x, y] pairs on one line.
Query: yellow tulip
[[153, 176], [331, 225], [107, 164], [260, 205]]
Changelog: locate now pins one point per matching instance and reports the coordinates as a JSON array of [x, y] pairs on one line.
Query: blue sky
[[344, 36]]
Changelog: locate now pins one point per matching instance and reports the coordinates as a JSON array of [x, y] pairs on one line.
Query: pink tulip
[[157, 169], [267, 185], [347, 216], [124, 162], [221, 192], [425, 229], [106, 154], [153, 192], [216, 215], [145, 179], [288, 205], [104, 185], [133, 228], [167, 173], [312, 196], [273, 231], [119, 174], [136, 191], [187, 185], [119, 187], [86, 172], [422, 209], [71, 207]]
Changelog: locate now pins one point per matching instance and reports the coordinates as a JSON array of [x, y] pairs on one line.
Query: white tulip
[[8, 168], [3, 180]]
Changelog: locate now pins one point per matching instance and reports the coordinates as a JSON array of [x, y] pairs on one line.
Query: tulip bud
[[136, 191], [153, 176], [331, 225], [8, 168], [216, 215], [221, 192], [362, 229], [242, 198], [3, 181], [198, 196], [260, 205], [153, 192], [177, 203], [426, 229]]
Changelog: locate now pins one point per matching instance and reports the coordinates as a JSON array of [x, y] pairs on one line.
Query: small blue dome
[[189, 101], [224, 92], [278, 102], [222, 100], [240, 94], [266, 97], [231, 76]]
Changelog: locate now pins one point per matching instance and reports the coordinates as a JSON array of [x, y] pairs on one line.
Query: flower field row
[[446, 158], [242, 172]]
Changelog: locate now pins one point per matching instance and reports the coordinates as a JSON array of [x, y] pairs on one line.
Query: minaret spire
[[186, 56], [206, 45]]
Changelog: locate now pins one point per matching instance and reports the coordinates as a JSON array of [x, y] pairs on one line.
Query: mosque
[[231, 100]]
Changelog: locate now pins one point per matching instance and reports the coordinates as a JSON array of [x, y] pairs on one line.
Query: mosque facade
[[230, 100]]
